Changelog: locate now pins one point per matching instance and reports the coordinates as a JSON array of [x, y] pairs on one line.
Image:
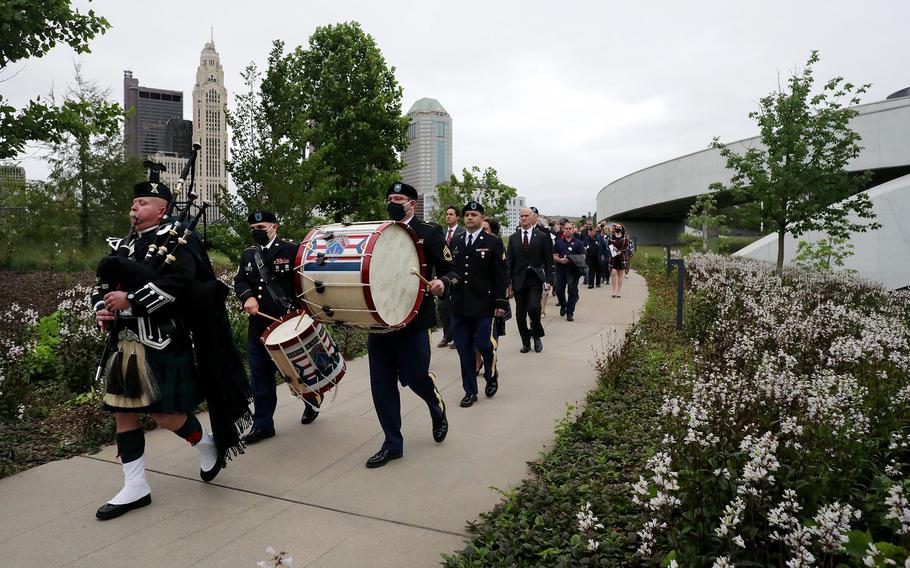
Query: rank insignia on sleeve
[[446, 253]]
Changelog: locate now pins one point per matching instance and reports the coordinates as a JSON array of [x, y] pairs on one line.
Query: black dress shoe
[[570, 317], [468, 400], [108, 511], [492, 385], [257, 435], [562, 311], [440, 426], [452, 345], [209, 475], [443, 343], [309, 414], [525, 348], [538, 345], [382, 457]]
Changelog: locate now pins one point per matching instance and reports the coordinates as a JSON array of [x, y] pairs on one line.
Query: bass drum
[[361, 274], [304, 353]]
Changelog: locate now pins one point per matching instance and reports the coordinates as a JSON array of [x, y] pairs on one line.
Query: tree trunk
[[83, 190], [704, 234], [780, 250]]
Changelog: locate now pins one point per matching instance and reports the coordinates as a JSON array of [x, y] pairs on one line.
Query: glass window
[[441, 129]]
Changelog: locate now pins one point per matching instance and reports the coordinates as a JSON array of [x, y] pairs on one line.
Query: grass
[[594, 459]]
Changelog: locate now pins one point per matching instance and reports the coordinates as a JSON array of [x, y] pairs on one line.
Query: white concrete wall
[[884, 127], [882, 255]]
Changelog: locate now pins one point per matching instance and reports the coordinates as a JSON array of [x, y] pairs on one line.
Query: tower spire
[[212, 34]]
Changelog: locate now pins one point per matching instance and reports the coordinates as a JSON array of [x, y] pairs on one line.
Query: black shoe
[[468, 400], [108, 511], [445, 341], [562, 311], [598, 286], [381, 458], [257, 435], [209, 475], [440, 425], [590, 286], [452, 345], [492, 385], [570, 317], [525, 348], [309, 414], [558, 303], [538, 345]]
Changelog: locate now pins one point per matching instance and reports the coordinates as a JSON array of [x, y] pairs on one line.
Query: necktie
[[524, 240], [448, 236], [470, 240]]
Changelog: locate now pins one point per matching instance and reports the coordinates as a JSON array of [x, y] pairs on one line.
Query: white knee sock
[[135, 486], [208, 453]]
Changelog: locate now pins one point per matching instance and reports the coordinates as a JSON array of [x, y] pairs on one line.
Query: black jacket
[[280, 259], [538, 257], [484, 276], [439, 265]]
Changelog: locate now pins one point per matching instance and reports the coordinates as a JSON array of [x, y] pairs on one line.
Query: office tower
[[178, 137], [149, 111], [209, 126], [428, 158]]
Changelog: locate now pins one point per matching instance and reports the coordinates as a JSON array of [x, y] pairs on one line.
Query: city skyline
[[561, 101]]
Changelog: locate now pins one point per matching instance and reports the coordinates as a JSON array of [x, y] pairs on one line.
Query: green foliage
[[799, 173], [322, 130], [824, 254], [41, 363], [594, 459], [224, 239], [703, 215], [483, 186], [31, 29]]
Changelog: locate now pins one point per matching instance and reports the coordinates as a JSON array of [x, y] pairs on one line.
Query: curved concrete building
[[654, 202]]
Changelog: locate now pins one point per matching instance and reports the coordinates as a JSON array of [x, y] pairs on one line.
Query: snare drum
[[361, 274], [304, 353]]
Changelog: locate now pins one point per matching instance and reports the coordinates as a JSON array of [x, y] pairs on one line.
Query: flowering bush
[[786, 438]]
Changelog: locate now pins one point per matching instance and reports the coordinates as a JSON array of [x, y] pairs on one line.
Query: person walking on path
[[452, 230], [618, 245], [529, 257], [592, 256], [477, 297], [403, 356], [568, 254]]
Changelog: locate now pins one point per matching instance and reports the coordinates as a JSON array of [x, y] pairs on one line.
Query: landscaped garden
[[772, 431]]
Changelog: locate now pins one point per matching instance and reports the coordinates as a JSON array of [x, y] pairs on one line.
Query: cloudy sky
[[560, 97]]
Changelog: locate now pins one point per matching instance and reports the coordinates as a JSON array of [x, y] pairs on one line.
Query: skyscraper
[[209, 126], [150, 110], [428, 159]]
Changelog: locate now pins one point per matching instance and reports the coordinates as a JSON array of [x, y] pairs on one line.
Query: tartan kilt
[[174, 371]]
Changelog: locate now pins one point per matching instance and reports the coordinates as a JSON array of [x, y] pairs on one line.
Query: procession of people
[[169, 341]]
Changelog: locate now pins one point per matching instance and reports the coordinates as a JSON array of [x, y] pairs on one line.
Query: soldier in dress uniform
[[566, 250], [479, 296], [452, 230], [403, 356], [264, 284], [149, 313]]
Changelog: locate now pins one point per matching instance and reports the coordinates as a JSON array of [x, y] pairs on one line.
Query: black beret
[[472, 206], [402, 189], [534, 209], [261, 217], [149, 189]]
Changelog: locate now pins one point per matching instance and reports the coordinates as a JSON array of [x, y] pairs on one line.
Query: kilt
[[174, 371]]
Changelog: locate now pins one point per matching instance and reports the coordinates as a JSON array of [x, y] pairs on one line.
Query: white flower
[[723, 562], [898, 508]]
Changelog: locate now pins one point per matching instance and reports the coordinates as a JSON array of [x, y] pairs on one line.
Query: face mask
[[396, 211], [260, 237]]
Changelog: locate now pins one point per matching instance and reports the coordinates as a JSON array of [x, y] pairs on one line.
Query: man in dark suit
[[452, 230], [530, 258], [477, 296]]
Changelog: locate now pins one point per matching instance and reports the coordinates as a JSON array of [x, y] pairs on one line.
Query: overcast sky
[[560, 97]]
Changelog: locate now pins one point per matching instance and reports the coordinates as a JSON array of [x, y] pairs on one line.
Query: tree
[[89, 163], [485, 187], [704, 216], [31, 29], [826, 254], [352, 108], [268, 151], [799, 175]]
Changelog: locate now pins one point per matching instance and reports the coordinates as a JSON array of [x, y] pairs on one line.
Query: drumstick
[[417, 273], [267, 316]]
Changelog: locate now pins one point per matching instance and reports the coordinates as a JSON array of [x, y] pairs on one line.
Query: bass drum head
[[289, 329], [396, 292]]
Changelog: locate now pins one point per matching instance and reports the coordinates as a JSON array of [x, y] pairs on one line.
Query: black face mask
[[396, 211], [260, 237]]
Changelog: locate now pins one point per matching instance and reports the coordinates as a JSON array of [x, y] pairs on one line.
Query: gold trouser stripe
[[495, 344], [442, 403]]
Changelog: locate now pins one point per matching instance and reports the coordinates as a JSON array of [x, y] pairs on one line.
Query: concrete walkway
[[306, 491]]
